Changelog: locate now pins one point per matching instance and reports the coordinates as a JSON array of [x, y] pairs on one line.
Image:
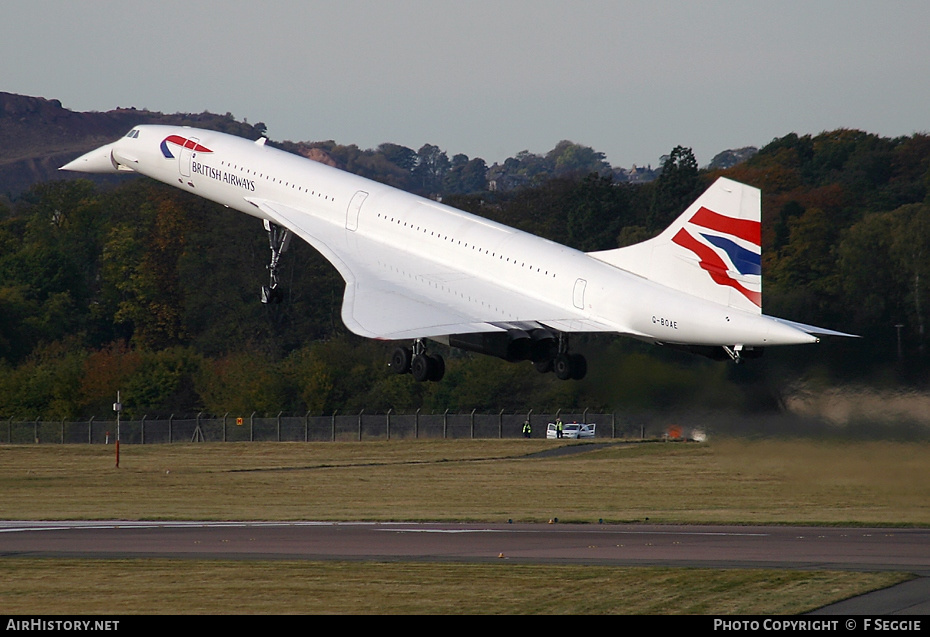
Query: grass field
[[767, 482], [40, 586], [724, 481]]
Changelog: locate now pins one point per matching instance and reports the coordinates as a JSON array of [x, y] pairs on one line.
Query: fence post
[[142, 426], [529, 415], [613, 425], [445, 423], [500, 424], [584, 415], [252, 427], [171, 428], [360, 425], [416, 424], [278, 425], [307, 427], [473, 424], [333, 423], [90, 428], [62, 431], [35, 430], [9, 431], [389, 422], [224, 426]]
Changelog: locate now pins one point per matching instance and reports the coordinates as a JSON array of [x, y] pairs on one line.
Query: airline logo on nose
[[182, 142], [726, 246]]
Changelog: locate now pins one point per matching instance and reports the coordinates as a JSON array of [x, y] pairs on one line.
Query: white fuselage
[[590, 295]]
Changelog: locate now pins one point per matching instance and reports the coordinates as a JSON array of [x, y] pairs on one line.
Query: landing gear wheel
[[421, 366], [425, 367], [579, 366], [438, 368], [562, 366], [570, 366], [400, 360]]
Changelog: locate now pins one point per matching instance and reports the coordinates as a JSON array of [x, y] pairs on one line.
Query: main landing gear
[[417, 362], [279, 239], [570, 366], [567, 366]]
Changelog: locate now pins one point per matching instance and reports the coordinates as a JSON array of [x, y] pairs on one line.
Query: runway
[[705, 546], [809, 548]]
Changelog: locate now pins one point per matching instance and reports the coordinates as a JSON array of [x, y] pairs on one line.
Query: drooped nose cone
[[99, 160]]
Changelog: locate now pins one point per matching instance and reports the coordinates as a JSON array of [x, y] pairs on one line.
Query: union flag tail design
[[712, 251]]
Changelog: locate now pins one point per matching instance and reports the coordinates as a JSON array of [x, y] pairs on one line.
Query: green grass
[[725, 481], [55, 586], [788, 482]]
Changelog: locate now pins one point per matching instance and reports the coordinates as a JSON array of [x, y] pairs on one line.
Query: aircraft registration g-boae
[[416, 269]]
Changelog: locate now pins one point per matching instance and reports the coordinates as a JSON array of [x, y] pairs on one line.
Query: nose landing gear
[[278, 239]]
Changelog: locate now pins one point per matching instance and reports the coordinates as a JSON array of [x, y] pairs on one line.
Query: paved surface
[[907, 598], [697, 546]]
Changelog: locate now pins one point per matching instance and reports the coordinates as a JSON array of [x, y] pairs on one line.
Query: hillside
[[38, 135]]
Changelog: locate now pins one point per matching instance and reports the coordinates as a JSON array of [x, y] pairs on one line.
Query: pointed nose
[[99, 160]]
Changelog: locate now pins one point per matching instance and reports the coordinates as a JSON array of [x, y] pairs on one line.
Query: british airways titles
[[222, 175]]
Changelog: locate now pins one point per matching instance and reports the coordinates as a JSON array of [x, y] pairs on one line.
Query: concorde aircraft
[[416, 270]]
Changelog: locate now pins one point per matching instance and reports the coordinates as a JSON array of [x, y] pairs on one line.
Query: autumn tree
[[569, 158], [465, 176], [596, 213], [884, 266], [141, 262], [432, 166], [678, 185]]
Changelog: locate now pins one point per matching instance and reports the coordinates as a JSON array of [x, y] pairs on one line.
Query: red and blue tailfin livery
[[726, 248]]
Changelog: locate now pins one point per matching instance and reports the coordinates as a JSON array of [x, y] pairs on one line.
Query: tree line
[[146, 289]]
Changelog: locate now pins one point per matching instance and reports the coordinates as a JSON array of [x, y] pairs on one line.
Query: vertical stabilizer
[[712, 251]]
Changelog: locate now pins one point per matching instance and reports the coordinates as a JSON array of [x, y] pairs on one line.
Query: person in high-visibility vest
[[527, 430], [558, 427]]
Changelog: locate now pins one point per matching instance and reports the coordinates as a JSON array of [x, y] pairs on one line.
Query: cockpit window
[[134, 133]]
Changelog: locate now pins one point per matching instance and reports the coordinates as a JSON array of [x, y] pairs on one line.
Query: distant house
[[636, 174]]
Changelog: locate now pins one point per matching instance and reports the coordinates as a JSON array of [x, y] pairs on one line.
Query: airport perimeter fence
[[307, 428]]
